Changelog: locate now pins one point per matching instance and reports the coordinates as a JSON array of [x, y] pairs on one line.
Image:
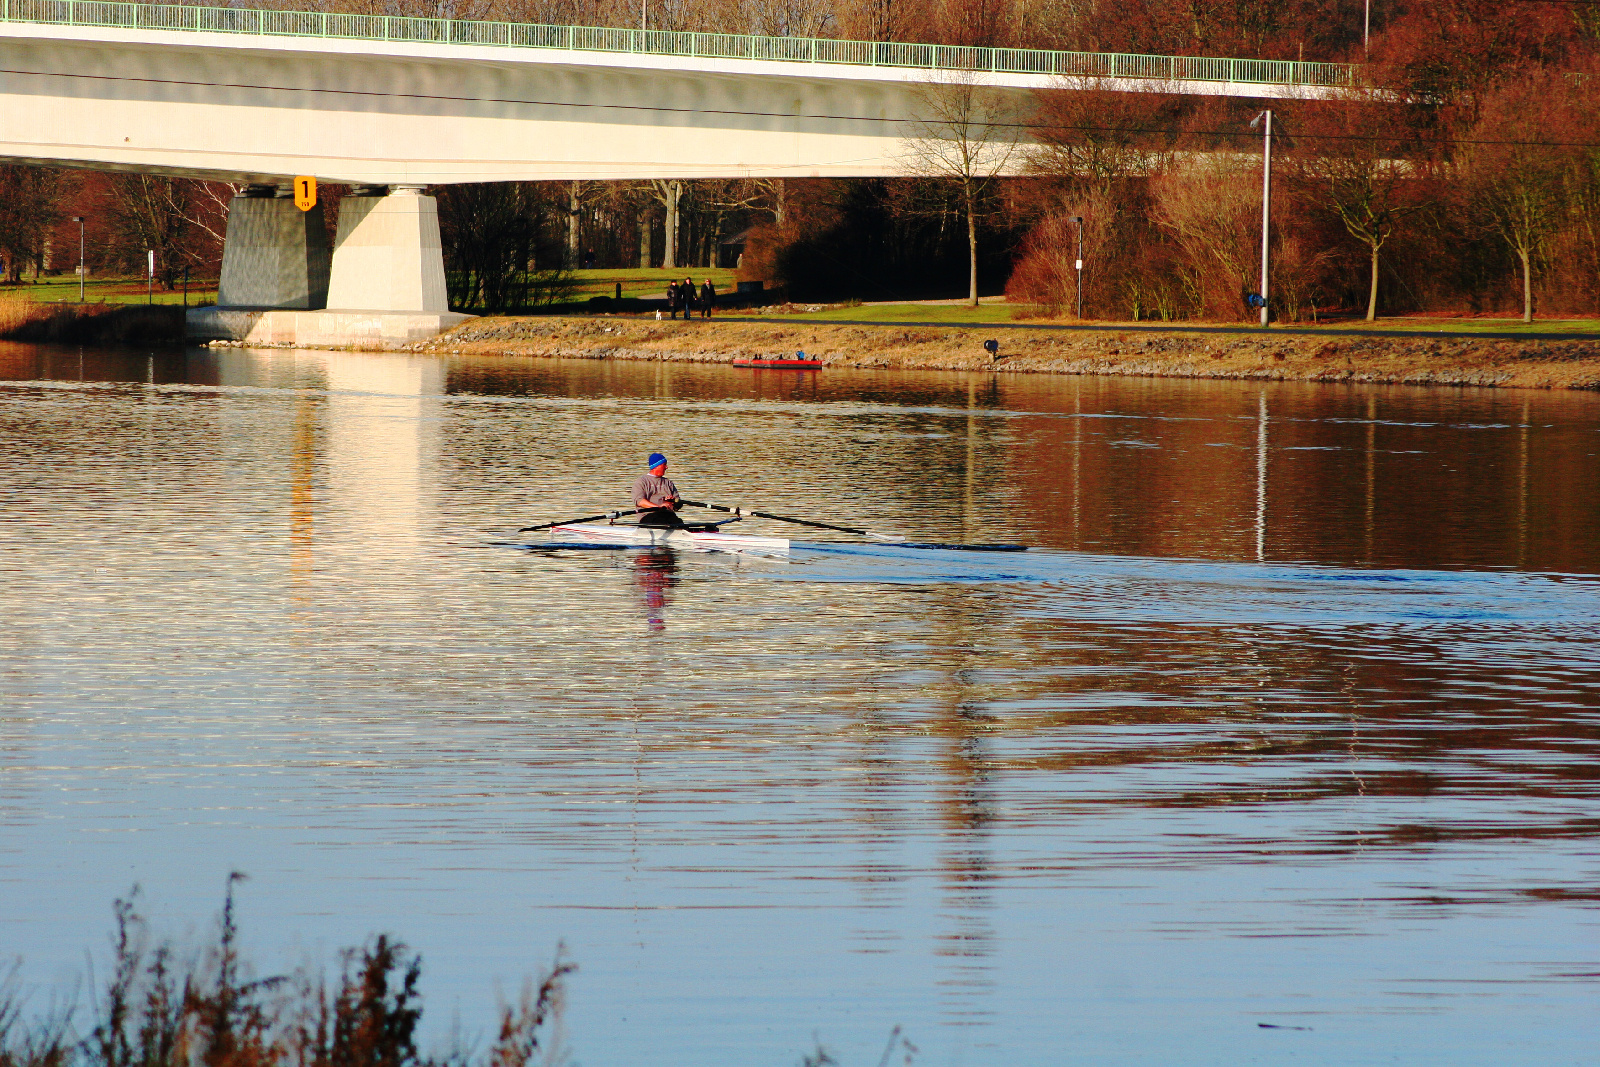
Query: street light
[[1266, 202], [79, 220], [1079, 220]]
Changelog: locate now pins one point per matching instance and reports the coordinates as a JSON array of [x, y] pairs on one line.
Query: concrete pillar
[[274, 255], [387, 255]]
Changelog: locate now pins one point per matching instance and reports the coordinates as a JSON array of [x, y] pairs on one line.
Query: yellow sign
[[305, 192]]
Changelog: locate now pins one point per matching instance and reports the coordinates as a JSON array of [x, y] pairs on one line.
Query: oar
[[898, 542], [789, 518], [586, 518]]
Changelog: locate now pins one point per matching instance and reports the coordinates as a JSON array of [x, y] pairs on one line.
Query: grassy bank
[[63, 289], [646, 282], [1275, 355], [90, 324]]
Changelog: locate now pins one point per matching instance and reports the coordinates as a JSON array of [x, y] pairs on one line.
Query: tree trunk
[[1527, 284], [644, 240], [1372, 291], [669, 256], [972, 246], [574, 213], [781, 211]]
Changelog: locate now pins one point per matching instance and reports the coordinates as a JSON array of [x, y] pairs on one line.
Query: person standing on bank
[[708, 299], [655, 496], [686, 287], [672, 300]]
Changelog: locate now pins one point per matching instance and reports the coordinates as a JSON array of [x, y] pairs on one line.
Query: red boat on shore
[[800, 362]]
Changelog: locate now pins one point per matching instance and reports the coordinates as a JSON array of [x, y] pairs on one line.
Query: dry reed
[[158, 1010]]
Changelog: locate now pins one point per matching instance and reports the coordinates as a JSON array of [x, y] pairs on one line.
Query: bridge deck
[[274, 23]]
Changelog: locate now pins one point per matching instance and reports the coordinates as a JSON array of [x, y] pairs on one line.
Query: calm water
[[1290, 720]]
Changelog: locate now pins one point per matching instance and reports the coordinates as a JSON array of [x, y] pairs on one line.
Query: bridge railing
[[671, 43]]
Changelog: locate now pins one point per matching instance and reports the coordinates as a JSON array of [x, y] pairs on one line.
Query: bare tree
[[788, 18], [163, 215], [967, 133], [668, 192], [1366, 175], [1519, 165], [31, 200]]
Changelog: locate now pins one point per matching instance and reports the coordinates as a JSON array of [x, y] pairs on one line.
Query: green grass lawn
[[647, 282], [64, 289], [929, 313]]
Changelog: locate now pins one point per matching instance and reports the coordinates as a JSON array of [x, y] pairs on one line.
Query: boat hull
[[598, 533]]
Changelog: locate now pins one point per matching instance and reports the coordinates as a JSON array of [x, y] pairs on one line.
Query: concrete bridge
[[394, 104]]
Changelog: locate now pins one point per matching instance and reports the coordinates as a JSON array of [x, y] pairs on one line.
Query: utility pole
[[79, 220], [1079, 220], [1266, 203], [1366, 31]]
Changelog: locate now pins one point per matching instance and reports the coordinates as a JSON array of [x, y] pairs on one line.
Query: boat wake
[[1125, 589]]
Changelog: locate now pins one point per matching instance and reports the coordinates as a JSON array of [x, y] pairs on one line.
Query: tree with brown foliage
[[1523, 159], [1090, 136], [1211, 206]]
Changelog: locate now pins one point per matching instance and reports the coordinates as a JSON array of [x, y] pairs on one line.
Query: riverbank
[[1128, 351], [90, 324]]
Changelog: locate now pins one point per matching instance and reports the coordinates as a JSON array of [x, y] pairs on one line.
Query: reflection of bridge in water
[[363, 445]]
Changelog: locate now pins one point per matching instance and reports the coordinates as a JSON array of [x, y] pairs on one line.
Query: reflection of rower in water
[[655, 496], [655, 571]]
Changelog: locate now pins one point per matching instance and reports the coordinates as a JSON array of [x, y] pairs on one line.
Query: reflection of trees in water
[[967, 803], [1216, 719], [968, 806]]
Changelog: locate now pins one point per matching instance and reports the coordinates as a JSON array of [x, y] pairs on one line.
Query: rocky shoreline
[[1399, 359]]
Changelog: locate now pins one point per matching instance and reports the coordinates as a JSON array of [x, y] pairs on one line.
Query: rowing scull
[[628, 534]]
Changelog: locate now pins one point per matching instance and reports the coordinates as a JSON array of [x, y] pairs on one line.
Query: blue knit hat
[[656, 460]]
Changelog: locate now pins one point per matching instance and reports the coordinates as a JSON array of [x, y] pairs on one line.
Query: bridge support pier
[[387, 255], [274, 255], [382, 287]]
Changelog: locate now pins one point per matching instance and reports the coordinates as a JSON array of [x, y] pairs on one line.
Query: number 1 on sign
[[305, 192]]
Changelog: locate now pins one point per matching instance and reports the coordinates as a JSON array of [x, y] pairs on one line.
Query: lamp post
[[1078, 219], [79, 220], [1266, 202]]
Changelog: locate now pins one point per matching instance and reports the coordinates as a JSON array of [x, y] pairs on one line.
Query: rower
[[655, 496]]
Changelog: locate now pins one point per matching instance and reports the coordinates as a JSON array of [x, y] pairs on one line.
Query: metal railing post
[[691, 43]]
